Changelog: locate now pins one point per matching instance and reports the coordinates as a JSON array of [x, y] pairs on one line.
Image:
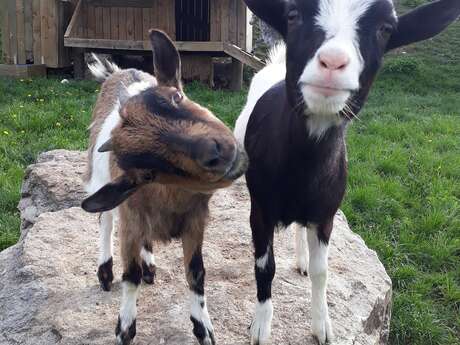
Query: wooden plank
[[145, 23], [130, 28], [20, 32], [154, 15], [52, 39], [28, 31], [91, 30], [114, 23], [244, 57], [241, 24], [74, 22], [106, 22], [232, 22], [122, 21], [138, 24], [83, 20], [64, 14], [118, 3], [11, 13], [44, 30], [36, 27], [224, 19], [99, 23], [6, 35], [22, 71], [211, 47]]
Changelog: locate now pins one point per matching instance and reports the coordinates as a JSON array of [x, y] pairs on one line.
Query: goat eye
[[386, 30], [292, 15], [177, 97]]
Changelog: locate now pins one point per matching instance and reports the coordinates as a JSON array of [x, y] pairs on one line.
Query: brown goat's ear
[[110, 196], [166, 59]]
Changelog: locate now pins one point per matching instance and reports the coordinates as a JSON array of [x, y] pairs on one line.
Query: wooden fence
[[33, 32]]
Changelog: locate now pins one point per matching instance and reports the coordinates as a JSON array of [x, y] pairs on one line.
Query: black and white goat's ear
[[166, 59], [273, 12], [110, 196], [424, 22]]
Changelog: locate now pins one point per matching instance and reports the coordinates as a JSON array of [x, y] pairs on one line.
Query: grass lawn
[[404, 185]]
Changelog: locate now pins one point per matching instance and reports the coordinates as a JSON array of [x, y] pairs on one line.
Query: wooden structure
[[201, 29], [33, 33], [55, 32]]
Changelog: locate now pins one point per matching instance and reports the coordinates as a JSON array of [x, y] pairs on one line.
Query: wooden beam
[[244, 57], [120, 3], [140, 45], [22, 71], [72, 28]]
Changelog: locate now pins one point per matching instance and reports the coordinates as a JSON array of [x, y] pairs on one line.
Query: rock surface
[[49, 293]]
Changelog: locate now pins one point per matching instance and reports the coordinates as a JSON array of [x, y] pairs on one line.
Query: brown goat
[[156, 157]]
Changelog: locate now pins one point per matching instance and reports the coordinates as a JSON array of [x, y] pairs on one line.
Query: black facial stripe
[[149, 161], [160, 106]]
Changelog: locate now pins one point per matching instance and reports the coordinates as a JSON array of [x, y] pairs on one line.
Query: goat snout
[[215, 155], [333, 59]]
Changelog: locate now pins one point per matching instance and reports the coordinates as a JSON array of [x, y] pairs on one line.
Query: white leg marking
[[261, 327], [128, 309], [105, 237], [148, 257], [199, 311], [262, 261], [321, 324], [301, 249]]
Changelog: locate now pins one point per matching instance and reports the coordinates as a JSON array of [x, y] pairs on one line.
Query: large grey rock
[[52, 184], [49, 292]]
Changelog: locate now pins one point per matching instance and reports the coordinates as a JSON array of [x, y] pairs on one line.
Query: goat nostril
[[212, 163]]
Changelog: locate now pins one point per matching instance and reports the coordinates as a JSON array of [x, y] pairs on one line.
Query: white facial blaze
[[339, 20]]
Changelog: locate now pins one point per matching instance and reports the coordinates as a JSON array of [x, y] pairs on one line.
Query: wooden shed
[[201, 29]]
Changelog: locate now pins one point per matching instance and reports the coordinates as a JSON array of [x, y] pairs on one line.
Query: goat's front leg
[[105, 262], [192, 242], [318, 245], [131, 280], [262, 236], [148, 263]]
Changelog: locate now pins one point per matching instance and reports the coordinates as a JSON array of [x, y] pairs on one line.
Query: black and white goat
[[155, 158], [294, 125]]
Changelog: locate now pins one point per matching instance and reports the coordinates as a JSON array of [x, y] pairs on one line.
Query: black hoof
[[302, 273], [105, 275], [125, 338], [202, 334], [148, 273]]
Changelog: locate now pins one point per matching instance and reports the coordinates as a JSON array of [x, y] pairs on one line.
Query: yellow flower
[[58, 124], [6, 132]]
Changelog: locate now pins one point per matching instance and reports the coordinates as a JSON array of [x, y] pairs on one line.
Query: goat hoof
[[105, 275], [322, 331], [125, 337], [204, 335], [148, 273]]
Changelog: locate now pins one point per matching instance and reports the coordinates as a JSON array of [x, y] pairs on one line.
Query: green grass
[[404, 184]]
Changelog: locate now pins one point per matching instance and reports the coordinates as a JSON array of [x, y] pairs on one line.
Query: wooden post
[[78, 55], [236, 81]]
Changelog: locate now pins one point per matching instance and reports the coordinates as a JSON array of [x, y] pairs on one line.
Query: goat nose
[[210, 156], [333, 59]]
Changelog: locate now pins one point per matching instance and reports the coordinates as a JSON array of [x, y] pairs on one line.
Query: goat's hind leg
[[318, 245], [105, 261], [149, 267], [192, 241], [301, 249]]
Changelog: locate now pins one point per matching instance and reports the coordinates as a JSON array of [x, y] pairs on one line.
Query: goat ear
[[424, 22], [110, 196], [270, 11], [106, 147], [166, 59]]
